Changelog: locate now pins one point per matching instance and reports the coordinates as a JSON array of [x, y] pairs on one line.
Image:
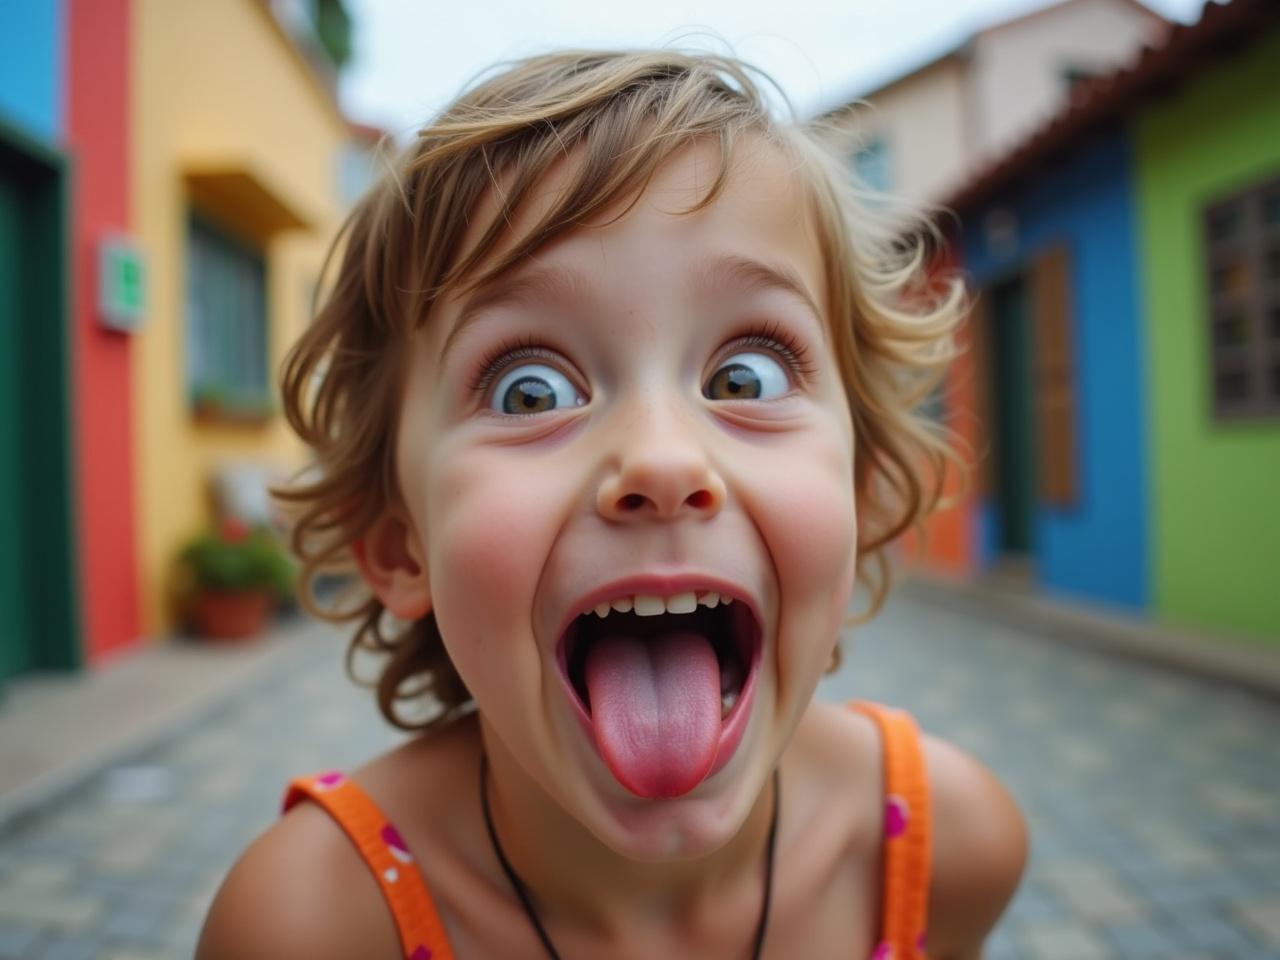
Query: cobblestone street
[[1152, 798]]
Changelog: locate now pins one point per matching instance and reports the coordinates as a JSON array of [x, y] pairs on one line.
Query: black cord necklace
[[523, 893]]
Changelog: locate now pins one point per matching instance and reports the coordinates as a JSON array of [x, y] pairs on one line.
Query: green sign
[[121, 284]]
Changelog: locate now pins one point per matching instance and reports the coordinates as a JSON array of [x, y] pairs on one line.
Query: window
[[1242, 243], [871, 164], [1077, 77], [226, 322], [320, 28], [333, 28]]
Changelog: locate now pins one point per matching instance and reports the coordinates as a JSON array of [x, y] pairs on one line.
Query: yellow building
[[236, 155]]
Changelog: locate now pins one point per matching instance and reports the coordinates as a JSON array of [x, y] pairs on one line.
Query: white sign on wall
[[122, 275]]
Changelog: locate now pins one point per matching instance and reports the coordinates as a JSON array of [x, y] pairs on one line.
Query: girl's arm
[[300, 890], [979, 851]]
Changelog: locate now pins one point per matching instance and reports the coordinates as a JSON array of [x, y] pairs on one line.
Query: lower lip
[[732, 727]]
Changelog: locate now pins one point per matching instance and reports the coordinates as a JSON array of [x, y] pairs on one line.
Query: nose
[[662, 473]]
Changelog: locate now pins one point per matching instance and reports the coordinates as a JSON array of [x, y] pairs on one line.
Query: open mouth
[[727, 625], [661, 684]]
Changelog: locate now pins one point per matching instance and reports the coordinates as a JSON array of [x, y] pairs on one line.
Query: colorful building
[[170, 174], [1123, 382], [67, 509], [1059, 385], [1208, 211], [237, 144]]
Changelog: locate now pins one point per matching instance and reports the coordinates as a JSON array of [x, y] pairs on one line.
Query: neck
[[577, 882]]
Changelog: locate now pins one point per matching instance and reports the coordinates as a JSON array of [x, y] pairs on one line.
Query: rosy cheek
[[810, 529], [490, 527], [818, 528]]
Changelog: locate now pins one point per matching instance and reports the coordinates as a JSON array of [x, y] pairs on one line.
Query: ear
[[390, 560]]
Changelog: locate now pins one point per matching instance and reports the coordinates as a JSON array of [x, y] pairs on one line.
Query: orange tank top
[[907, 847]]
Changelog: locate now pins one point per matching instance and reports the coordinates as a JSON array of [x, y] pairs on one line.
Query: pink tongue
[[655, 705]]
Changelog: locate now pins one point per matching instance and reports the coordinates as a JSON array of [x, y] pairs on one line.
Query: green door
[[1013, 393], [39, 609], [15, 633]]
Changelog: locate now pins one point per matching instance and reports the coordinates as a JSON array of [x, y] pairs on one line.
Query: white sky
[[413, 56]]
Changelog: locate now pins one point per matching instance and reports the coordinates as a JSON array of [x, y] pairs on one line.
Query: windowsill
[[239, 411]]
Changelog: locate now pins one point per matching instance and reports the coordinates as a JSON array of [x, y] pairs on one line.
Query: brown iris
[[529, 395], [734, 381]]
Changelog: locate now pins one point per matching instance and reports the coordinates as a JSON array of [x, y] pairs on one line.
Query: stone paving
[[1153, 798]]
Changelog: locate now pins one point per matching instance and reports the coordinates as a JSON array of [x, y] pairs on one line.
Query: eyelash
[[790, 348], [504, 355], [770, 337]]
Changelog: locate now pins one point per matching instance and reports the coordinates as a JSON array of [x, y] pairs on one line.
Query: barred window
[[226, 321], [1242, 244]]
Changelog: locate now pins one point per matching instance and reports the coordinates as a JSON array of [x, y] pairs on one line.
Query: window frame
[[1252, 351], [222, 393]]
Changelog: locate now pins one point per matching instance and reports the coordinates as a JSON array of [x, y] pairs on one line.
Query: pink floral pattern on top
[[385, 852], [906, 828], [330, 781], [896, 815], [884, 950], [391, 837], [422, 933]]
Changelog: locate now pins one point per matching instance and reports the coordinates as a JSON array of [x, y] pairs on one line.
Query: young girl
[[612, 403]]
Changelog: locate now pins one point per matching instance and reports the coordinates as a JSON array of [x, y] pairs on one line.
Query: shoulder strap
[[421, 933], [908, 841]]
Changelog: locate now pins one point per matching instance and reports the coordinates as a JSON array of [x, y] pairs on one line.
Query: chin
[[688, 827]]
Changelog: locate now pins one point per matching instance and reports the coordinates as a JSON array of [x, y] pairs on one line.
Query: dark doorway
[[1013, 413]]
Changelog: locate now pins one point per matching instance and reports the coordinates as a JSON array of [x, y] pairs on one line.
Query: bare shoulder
[[979, 850], [979, 838], [841, 749], [300, 890], [836, 753]]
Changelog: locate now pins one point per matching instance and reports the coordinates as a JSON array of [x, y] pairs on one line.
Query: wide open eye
[[533, 388], [747, 376]]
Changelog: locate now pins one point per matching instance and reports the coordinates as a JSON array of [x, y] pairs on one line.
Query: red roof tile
[[1107, 100]]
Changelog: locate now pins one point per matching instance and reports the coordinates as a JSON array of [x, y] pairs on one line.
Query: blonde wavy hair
[[623, 114]]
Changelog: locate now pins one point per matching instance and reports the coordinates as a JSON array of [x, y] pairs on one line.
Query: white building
[[923, 134]]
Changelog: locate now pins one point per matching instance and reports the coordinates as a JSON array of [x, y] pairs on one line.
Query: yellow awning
[[242, 198]]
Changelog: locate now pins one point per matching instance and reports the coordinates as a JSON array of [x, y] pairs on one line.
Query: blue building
[[1058, 376]]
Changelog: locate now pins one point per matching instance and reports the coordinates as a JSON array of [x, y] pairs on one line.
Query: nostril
[[631, 502], [699, 499]]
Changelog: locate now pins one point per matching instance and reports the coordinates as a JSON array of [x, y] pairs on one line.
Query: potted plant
[[236, 575]]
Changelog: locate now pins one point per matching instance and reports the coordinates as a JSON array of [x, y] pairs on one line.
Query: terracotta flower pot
[[230, 615]]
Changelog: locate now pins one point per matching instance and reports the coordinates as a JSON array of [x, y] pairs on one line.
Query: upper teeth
[[648, 605]]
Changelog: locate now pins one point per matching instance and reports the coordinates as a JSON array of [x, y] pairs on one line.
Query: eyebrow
[[752, 276], [544, 283], [553, 283]]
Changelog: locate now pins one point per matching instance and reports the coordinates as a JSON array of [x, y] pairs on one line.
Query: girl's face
[[647, 409]]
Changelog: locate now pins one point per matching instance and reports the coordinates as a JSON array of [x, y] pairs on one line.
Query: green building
[[1207, 164]]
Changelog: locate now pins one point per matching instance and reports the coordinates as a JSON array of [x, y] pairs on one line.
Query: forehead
[[763, 197]]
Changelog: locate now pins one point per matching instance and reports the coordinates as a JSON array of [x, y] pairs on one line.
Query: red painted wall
[[948, 547], [98, 141]]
